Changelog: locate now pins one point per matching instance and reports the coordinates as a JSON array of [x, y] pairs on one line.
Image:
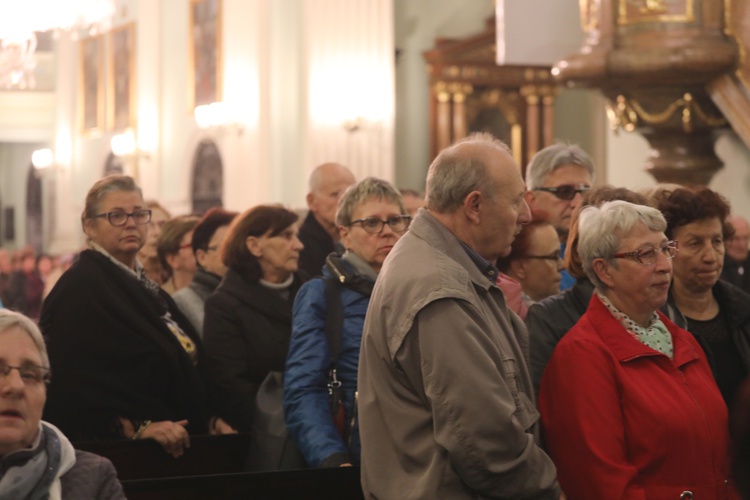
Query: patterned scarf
[[656, 335], [153, 288], [33, 473]]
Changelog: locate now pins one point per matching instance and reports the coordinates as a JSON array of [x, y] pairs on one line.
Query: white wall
[[417, 24], [263, 53]]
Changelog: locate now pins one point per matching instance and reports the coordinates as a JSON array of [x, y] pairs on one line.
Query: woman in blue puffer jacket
[[371, 219]]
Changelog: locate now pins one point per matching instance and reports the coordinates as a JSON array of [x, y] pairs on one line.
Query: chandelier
[[21, 20]]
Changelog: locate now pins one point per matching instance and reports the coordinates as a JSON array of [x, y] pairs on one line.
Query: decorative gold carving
[[626, 114], [655, 11], [730, 18], [516, 141], [452, 91], [589, 14]]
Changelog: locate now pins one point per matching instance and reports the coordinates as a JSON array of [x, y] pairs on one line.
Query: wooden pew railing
[[214, 468]]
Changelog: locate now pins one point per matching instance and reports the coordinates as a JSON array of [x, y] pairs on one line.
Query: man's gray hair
[[10, 319], [601, 229], [454, 173], [363, 191], [546, 160]]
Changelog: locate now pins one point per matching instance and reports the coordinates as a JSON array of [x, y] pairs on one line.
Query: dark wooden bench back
[[145, 459], [308, 484]]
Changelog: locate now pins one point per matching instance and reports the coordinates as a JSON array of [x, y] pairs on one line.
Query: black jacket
[[318, 244], [734, 305], [548, 320], [246, 335], [737, 273], [112, 355]]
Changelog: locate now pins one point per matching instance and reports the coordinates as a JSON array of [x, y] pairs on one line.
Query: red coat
[[622, 420]]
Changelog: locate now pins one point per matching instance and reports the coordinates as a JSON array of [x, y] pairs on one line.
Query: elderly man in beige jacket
[[445, 399]]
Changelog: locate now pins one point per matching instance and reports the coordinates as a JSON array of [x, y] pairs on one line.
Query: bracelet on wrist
[[141, 429]]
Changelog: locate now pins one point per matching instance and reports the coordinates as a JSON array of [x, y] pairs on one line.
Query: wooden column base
[[680, 158]]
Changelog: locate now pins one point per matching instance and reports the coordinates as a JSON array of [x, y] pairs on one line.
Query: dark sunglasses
[[565, 192]]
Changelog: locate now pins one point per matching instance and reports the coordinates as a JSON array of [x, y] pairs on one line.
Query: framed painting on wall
[[205, 52], [90, 85], [121, 78]]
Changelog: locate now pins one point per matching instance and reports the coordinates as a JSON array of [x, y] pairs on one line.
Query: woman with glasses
[[535, 261], [148, 255], [123, 354], [714, 311], [547, 321], [36, 459], [247, 326], [628, 403], [324, 350]]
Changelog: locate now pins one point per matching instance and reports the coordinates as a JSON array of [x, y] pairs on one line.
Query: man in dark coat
[[318, 232], [737, 257]]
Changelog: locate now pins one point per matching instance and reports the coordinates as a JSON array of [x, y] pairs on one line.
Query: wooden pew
[[308, 484], [145, 459]]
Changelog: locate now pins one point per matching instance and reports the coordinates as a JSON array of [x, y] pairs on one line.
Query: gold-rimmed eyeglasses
[[647, 256]]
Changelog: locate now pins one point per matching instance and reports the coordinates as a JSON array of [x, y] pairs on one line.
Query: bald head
[[475, 189], [327, 182], [327, 173], [462, 168], [737, 245]]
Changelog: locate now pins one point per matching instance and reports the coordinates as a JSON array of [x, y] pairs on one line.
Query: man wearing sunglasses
[[556, 179]]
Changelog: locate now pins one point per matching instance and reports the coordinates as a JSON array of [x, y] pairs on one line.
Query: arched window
[[208, 177]]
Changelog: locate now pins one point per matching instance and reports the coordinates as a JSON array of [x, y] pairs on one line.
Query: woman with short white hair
[[36, 460], [629, 406]]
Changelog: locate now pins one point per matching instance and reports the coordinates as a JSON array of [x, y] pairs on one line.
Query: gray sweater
[[192, 299]]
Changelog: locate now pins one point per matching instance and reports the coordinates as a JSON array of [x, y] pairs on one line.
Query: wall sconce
[[216, 117], [42, 159], [44, 163], [355, 124], [124, 145]]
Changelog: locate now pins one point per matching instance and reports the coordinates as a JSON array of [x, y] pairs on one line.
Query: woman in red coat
[[629, 406]]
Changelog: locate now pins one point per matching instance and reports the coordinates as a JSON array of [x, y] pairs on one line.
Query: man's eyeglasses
[[648, 256], [119, 218], [30, 374], [373, 225], [565, 192]]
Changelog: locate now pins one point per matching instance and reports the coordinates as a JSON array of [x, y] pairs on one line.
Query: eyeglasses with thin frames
[[119, 218], [565, 192], [30, 374], [373, 225], [647, 256]]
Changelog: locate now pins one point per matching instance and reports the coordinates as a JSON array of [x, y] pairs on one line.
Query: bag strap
[[334, 318]]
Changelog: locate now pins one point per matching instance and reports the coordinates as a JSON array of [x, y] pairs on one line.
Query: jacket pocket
[[526, 413]]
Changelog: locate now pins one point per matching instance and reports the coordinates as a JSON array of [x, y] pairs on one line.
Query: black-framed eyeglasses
[[373, 225], [647, 256], [30, 374], [553, 256], [119, 218], [565, 192]]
